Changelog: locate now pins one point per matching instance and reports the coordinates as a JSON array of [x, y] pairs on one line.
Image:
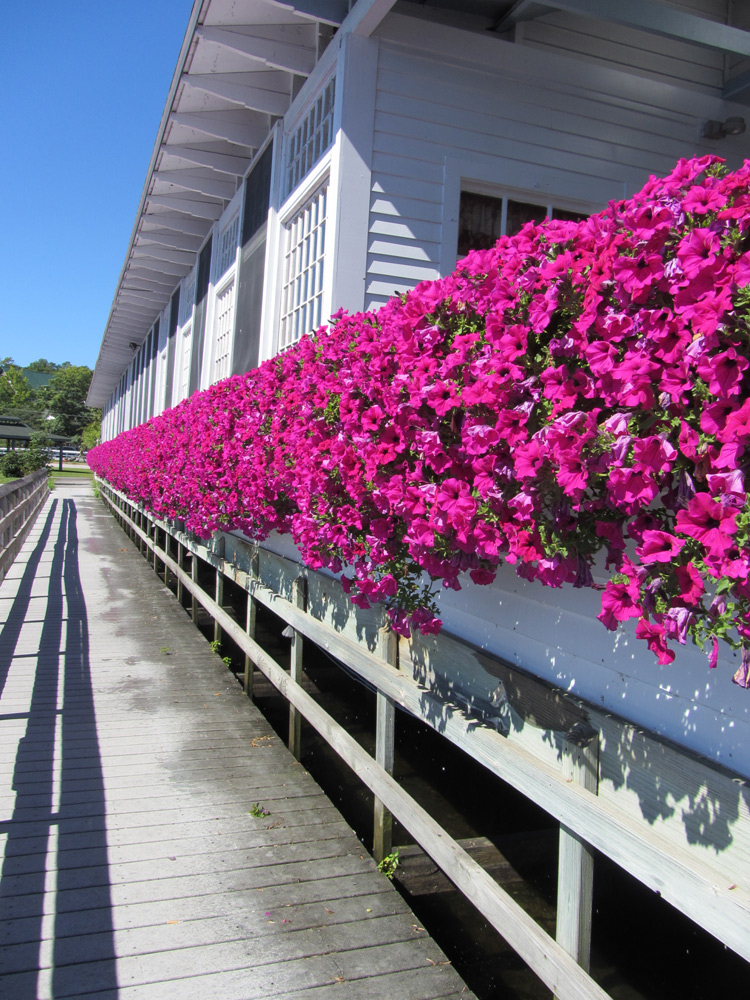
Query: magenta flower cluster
[[579, 388]]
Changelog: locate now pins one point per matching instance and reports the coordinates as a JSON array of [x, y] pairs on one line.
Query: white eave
[[240, 66]]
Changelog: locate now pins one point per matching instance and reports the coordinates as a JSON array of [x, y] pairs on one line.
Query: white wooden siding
[[664, 59], [453, 105], [555, 634]]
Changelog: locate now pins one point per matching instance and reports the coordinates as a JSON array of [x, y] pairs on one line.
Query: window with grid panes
[[187, 343], [483, 218], [224, 323], [311, 138], [302, 282], [228, 246], [187, 300]]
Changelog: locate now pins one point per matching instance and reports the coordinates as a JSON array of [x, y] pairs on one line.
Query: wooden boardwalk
[[130, 762]]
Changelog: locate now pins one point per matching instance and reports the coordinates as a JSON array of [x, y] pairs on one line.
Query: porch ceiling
[[658, 17], [240, 66]]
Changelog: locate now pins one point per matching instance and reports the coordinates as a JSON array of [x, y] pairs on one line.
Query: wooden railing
[[559, 766], [20, 502]]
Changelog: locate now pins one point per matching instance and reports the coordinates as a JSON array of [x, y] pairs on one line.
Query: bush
[[582, 387], [36, 456], [13, 464]]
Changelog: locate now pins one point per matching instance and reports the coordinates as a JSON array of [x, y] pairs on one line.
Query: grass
[[81, 475]]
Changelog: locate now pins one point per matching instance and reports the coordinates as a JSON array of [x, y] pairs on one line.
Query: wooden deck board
[[129, 762]]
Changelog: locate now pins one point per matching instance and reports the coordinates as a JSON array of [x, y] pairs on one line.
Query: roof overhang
[[241, 64]]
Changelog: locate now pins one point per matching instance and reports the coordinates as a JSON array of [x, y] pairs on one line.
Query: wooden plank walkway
[[129, 764]]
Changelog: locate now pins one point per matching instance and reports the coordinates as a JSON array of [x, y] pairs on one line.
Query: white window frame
[[183, 360], [184, 336], [224, 258], [227, 286], [323, 172], [502, 178], [221, 275], [299, 157], [302, 282]]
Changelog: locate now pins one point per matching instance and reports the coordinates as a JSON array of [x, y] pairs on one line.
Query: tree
[[15, 391], [47, 367], [91, 432], [65, 400]]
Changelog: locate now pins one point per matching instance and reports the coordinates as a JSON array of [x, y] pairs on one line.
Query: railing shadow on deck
[[55, 883]]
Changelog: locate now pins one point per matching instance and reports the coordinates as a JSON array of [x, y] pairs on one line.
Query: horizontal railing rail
[[20, 502], [548, 959]]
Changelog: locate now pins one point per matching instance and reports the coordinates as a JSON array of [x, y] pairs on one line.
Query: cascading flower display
[[579, 388]]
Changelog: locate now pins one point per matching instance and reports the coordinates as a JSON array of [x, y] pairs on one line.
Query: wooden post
[[575, 874], [219, 598], [295, 670], [155, 540], [385, 731], [181, 564], [194, 578], [167, 540], [247, 683]]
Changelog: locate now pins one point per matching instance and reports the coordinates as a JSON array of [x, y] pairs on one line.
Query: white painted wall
[[546, 121], [650, 55], [554, 634]]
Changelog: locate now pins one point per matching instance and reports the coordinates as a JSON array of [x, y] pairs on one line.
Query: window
[[257, 195], [187, 343], [304, 254], [224, 321], [311, 138], [187, 300], [203, 280], [228, 246], [484, 218]]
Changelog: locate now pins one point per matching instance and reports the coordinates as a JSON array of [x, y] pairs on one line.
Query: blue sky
[[84, 85]]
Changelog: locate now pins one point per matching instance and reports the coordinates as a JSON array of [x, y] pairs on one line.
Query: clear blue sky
[[83, 88]]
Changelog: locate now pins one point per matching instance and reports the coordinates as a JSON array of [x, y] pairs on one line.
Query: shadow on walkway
[[49, 886]]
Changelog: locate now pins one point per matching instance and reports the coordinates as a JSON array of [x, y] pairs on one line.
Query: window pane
[[521, 212], [479, 222], [302, 292], [566, 216]]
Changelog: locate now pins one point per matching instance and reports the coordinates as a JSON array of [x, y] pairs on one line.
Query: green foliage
[[91, 433], [65, 399], [46, 367], [13, 464], [258, 811], [15, 392], [389, 864], [22, 461], [57, 408], [36, 455]]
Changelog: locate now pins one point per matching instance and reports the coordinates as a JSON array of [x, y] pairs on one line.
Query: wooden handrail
[[687, 878], [554, 966], [20, 502]]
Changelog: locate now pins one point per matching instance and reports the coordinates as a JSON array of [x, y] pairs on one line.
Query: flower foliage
[[579, 388]]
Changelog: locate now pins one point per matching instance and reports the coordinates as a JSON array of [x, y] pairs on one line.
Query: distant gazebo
[[12, 430]]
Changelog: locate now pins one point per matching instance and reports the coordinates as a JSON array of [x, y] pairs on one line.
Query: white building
[[325, 153]]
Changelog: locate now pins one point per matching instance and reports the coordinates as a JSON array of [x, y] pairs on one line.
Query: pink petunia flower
[[708, 522]]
